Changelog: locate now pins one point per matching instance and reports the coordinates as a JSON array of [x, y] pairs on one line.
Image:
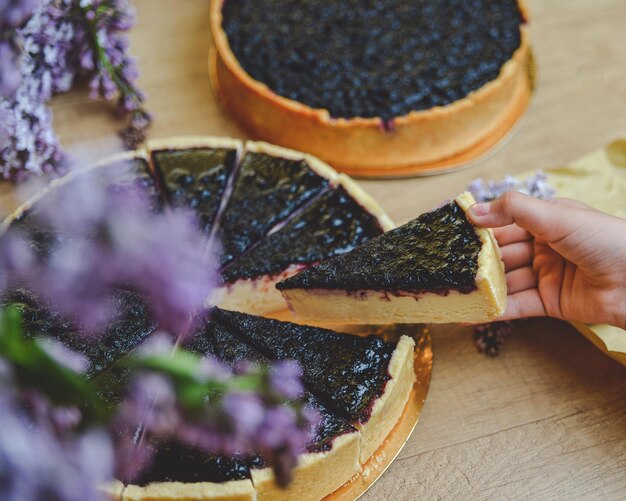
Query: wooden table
[[546, 419]]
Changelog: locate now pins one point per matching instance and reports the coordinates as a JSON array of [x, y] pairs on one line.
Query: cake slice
[[366, 380], [437, 268], [182, 471], [271, 184], [194, 173], [338, 221], [331, 455]]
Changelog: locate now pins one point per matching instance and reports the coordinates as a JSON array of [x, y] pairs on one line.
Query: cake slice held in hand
[[438, 268]]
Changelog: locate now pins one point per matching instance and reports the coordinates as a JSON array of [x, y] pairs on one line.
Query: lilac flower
[[225, 420], [245, 411], [149, 408], [14, 13], [36, 464], [488, 338], [64, 356], [110, 238], [285, 379], [10, 60], [535, 185], [44, 46]]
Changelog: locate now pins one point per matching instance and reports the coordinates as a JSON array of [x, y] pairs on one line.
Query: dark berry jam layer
[[130, 323], [348, 372], [373, 58], [267, 190], [332, 225], [216, 339], [195, 178], [176, 462], [436, 252]]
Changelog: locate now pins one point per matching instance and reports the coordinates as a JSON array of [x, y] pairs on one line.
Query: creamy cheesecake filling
[[373, 58], [437, 268], [336, 447]]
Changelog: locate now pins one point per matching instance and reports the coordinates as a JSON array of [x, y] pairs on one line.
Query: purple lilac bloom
[[285, 379], [44, 46], [13, 14], [149, 408], [10, 61], [488, 338], [113, 239], [236, 423], [536, 185], [61, 354], [36, 464]]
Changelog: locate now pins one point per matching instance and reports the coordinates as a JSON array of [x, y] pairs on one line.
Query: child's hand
[[563, 259]]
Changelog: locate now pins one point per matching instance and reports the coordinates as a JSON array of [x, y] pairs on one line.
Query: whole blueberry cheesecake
[[268, 212], [372, 84]]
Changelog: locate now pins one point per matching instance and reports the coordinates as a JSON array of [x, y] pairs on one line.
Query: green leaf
[[35, 368], [180, 365]]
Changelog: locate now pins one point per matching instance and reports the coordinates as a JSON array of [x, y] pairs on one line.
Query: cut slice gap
[[436, 268], [208, 164], [268, 189], [334, 223]]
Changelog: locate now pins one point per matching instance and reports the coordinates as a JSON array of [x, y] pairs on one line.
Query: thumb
[[544, 219]]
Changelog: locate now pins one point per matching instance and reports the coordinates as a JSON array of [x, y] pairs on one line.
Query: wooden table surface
[[546, 419]]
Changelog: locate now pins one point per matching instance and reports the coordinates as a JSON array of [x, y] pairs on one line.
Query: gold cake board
[[466, 159], [373, 469]]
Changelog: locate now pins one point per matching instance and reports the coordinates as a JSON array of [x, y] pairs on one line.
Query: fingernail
[[481, 209]]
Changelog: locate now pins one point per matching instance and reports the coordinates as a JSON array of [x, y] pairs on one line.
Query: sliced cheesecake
[[338, 221], [333, 451], [272, 183], [179, 470], [366, 380], [437, 268], [194, 173]]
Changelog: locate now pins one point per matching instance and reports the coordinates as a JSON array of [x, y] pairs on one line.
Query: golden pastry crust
[[350, 450], [235, 490], [490, 279], [389, 407], [420, 137], [317, 474], [366, 201], [185, 142]]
